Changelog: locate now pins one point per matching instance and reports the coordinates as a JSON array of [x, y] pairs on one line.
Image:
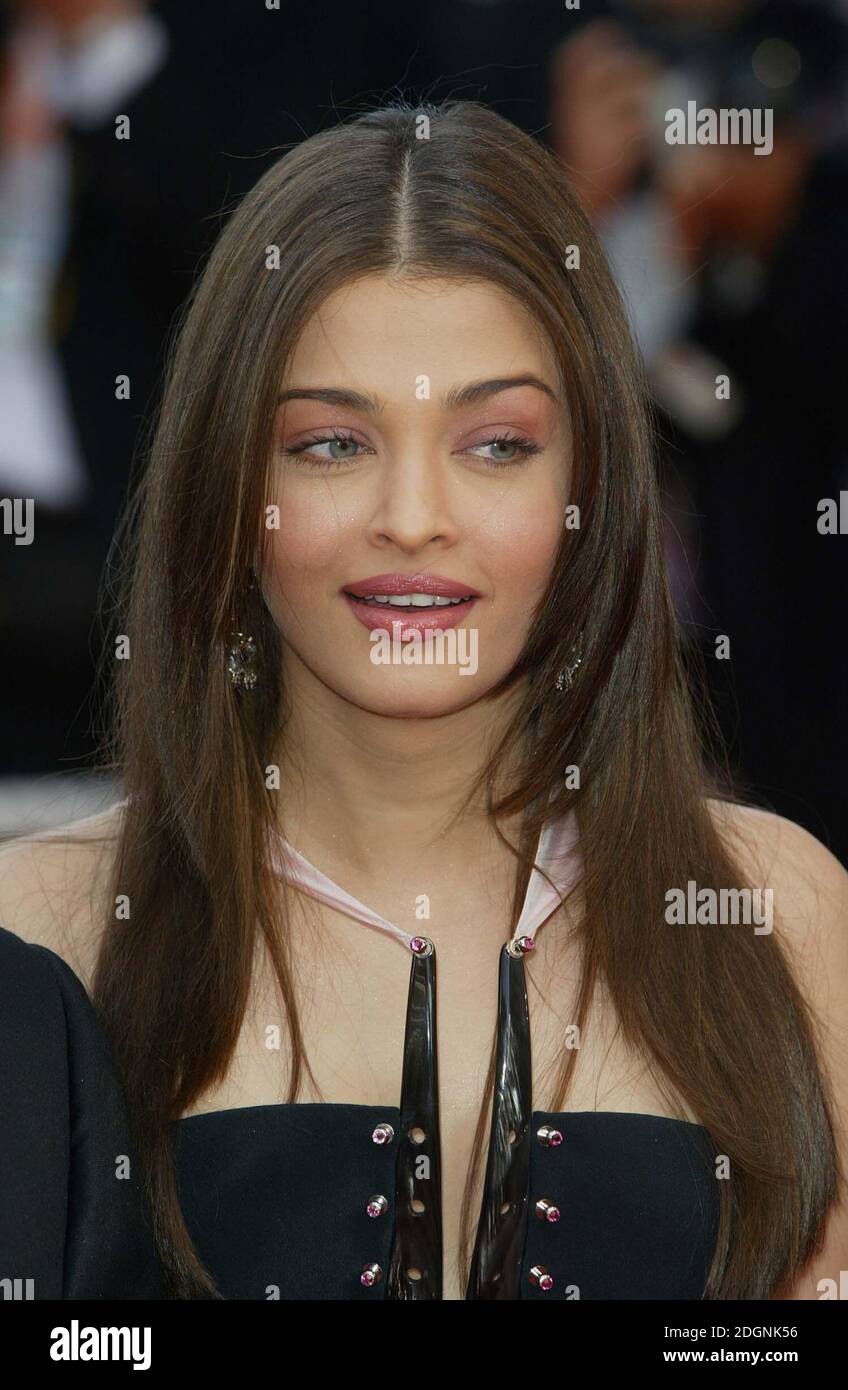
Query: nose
[[414, 507]]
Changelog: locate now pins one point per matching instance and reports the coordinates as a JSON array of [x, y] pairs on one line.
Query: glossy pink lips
[[389, 618]]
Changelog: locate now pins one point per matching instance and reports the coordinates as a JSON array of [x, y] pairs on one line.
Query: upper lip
[[411, 584]]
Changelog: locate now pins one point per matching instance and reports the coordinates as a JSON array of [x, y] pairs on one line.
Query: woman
[[403, 398]]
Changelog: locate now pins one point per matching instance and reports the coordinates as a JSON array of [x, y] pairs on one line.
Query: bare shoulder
[[53, 886], [809, 883], [809, 901]]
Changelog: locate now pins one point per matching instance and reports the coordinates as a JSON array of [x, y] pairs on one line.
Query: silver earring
[[565, 677], [241, 662]]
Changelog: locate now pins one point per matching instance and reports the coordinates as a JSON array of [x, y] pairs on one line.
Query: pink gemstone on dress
[[377, 1205], [383, 1134], [546, 1211], [550, 1137], [546, 1282], [526, 943], [540, 1276], [418, 944]]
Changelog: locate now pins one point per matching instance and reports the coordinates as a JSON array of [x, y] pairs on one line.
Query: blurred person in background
[[733, 265], [68, 65]]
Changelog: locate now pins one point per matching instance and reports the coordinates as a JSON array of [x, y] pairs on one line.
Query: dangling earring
[[242, 653], [241, 661], [565, 677]]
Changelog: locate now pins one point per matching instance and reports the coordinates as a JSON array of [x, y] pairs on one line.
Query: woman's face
[[400, 488]]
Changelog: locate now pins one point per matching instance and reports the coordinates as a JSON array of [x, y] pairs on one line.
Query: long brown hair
[[448, 190]]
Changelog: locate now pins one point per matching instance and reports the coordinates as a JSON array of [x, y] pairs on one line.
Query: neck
[[367, 790]]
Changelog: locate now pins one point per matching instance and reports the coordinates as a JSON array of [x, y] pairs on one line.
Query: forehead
[[388, 327]]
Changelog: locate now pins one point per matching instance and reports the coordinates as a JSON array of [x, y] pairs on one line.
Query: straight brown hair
[[420, 191]]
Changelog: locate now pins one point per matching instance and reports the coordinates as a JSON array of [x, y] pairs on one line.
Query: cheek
[[311, 535], [521, 540]]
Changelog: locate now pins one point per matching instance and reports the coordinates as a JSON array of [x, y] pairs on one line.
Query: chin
[[409, 702]]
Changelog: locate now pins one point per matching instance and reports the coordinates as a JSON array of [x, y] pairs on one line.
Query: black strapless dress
[[277, 1199]]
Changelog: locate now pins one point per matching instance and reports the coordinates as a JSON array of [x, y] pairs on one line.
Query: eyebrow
[[458, 396]]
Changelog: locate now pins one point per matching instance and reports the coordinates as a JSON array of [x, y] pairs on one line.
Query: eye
[[304, 453], [512, 449], [521, 450]]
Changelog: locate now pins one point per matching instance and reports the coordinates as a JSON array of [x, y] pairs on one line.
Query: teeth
[[411, 600]]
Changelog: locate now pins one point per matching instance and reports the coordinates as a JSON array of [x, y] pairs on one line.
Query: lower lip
[[397, 621]]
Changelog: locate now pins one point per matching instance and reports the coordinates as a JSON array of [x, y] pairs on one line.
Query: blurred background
[[733, 266]]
